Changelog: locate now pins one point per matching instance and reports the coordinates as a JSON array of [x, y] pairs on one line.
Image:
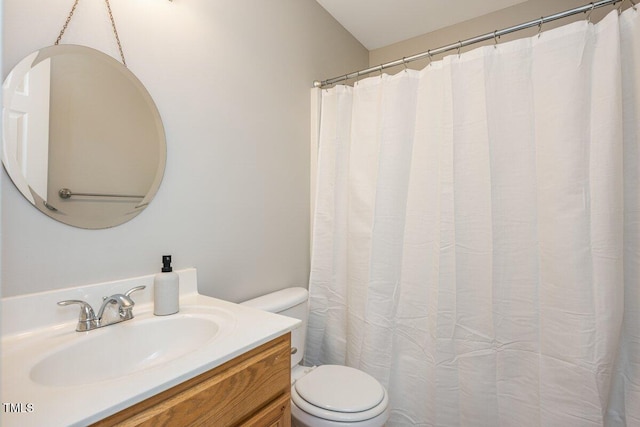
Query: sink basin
[[119, 350]]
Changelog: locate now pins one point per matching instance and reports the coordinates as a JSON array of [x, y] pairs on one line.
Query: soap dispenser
[[166, 289]]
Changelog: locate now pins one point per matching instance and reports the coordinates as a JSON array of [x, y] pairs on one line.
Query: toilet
[[326, 395]]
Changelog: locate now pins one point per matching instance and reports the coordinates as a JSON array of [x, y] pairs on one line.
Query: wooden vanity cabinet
[[252, 390]]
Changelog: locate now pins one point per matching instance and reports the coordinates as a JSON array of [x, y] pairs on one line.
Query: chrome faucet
[[124, 303], [88, 321]]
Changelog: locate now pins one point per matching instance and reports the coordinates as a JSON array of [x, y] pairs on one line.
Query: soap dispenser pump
[[166, 289]]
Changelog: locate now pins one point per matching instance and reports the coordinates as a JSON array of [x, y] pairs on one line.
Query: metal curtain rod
[[494, 35]]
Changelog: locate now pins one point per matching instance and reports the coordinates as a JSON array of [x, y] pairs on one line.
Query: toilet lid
[[340, 389]]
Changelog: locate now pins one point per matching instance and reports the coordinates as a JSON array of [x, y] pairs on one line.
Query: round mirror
[[82, 139]]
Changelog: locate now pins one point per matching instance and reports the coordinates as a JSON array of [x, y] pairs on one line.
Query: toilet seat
[[339, 393]]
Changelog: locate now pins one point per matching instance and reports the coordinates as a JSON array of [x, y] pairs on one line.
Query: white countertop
[[34, 327]]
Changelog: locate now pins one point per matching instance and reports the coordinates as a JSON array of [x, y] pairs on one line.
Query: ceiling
[[378, 23]]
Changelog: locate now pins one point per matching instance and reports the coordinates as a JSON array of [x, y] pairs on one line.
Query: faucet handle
[[87, 319], [132, 290], [86, 312], [126, 312]]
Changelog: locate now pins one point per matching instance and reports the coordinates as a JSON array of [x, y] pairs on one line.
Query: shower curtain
[[476, 243]]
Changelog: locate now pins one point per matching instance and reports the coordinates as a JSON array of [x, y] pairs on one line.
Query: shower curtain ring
[[429, 54], [540, 26], [459, 47], [495, 39], [633, 4], [404, 62], [589, 14]]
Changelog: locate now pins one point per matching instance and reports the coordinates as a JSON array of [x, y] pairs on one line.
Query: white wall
[[231, 79]]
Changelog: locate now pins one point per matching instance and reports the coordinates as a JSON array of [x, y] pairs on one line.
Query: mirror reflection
[[82, 139]]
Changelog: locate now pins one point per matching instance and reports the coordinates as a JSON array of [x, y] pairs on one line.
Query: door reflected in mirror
[[83, 140]]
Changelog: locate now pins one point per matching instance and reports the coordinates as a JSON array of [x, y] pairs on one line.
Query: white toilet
[[327, 395]]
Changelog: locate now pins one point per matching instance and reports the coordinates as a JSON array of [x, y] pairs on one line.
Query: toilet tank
[[291, 302]]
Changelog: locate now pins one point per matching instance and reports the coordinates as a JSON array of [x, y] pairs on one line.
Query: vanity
[[251, 390], [212, 363]]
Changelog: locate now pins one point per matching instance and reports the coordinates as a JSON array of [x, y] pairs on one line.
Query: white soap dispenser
[[166, 289]]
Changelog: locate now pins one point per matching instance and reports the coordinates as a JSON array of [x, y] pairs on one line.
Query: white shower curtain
[[476, 242]]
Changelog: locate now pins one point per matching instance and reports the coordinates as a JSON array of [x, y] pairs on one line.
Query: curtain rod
[[494, 35]]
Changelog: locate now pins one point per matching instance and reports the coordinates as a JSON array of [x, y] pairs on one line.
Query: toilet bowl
[[326, 395], [333, 395]]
